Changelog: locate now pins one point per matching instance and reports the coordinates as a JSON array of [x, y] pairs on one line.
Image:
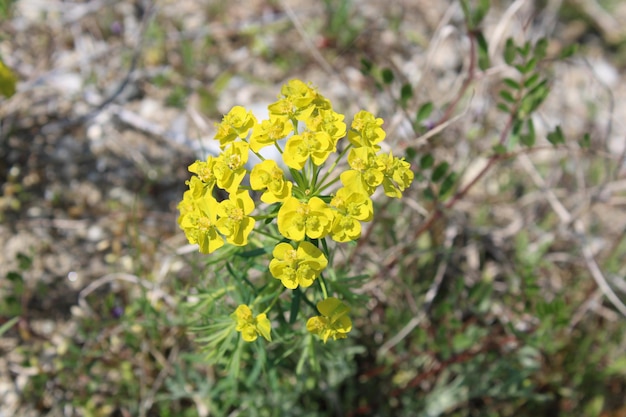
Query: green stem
[[273, 302], [266, 234], [332, 168], [322, 282]]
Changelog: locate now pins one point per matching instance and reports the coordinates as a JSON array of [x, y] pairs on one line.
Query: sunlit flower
[[234, 222], [269, 131], [295, 267], [334, 321], [251, 327], [298, 101], [315, 145], [235, 124], [297, 219], [198, 220], [366, 173], [366, 130], [329, 121], [204, 172], [269, 177], [352, 207], [229, 167], [397, 174]]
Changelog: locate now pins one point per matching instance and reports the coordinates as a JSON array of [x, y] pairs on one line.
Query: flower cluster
[[304, 197]]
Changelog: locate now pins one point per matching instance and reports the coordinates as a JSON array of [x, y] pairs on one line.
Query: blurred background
[[508, 304]]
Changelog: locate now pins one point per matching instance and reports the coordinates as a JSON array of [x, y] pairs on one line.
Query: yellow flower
[[334, 321], [204, 172], [234, 222], [366, 173], [198, 220], [330, 122], [366, 130], [229, 167], [251, 327], [298, 101], [352, 207], [269, 177], [297, 219], [297, 267], [397, 174], [235, 124], [315, 145], [301, 94], [269, 131]]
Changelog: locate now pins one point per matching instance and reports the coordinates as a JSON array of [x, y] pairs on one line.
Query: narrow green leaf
[[533, 99], [466, 13], [447, 184], [410, 153], [531, 80], [483, 52], [509, 51], [585, 141], [512, 83], [427, 161], [428, 194], [499, 149], [406, 93], [295, 306], [556, 137], [387, 76], [541, 48], [14, 276], [6, 326], [568, 51], [366, 66], [523, 50], [424, 112], [507, 96], [253, 253], [482, 8], [529, 66], [503, 107], [440, 170], [528, 139]]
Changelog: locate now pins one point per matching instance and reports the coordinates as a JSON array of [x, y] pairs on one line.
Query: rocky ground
[[116, 98]]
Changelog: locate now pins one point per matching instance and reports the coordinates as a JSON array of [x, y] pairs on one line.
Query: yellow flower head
[[397, 174], [334, 321], [204, 172], [298, 101], [315, 145], [295, 267], [351, 208], [327, 120], [297, 219], [235, 124], [251, 327], [269, 131], [269, 177], [229, 167], [234, 222], [300, 94], [366, 173], [366, 130], [198, 220]]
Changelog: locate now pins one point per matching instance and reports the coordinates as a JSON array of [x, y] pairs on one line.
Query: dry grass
[[116, 98]]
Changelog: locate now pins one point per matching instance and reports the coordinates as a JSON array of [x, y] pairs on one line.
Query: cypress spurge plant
[[294, 212]]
